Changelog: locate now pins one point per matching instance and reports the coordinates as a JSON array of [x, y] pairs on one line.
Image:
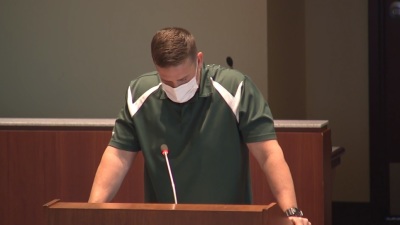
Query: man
[[209, 117]]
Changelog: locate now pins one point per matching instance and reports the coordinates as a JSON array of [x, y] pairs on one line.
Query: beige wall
[[337, 64], [286, 59], [75, 58], [331, 64]]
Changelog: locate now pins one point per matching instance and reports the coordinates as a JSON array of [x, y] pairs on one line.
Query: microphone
[[164, 151], [229, 61]]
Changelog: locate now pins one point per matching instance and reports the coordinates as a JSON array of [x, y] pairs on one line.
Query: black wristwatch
[[294, 212]]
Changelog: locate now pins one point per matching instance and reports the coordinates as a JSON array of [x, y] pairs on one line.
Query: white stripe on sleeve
[[232, 101], [135, 106]]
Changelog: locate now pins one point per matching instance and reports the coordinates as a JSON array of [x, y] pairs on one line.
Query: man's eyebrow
[[183, 78]]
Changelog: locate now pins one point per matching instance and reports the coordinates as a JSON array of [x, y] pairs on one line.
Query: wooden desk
[[45, 159], [72, 213]]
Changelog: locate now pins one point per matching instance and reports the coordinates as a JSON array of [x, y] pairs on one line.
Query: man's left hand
[[299, 220]]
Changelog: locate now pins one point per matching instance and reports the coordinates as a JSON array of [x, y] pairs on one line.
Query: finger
[[300, 221]]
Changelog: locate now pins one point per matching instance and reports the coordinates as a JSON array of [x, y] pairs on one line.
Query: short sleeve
[[255, 117], [124, 135]]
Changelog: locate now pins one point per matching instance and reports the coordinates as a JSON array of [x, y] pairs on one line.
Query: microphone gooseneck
[[164, 151]]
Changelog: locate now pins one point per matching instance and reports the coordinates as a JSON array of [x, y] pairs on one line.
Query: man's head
[[177, 62], [172, 46]]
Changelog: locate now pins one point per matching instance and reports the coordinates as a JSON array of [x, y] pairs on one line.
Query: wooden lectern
[[74, 213]]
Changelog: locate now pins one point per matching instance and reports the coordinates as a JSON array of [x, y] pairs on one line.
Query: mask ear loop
[[197, 66]]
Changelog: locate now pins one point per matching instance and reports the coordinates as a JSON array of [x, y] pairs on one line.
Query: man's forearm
[[280, 181], [112, 169], [270, 157]]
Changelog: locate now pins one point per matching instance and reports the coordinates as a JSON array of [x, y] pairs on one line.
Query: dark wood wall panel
[[26, 174], [42, 165], [4, 177], [39, 165]]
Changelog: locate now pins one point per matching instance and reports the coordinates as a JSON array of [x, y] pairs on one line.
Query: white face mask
[[182, 93]]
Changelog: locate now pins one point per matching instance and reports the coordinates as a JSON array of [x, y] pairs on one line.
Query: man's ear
[[200, 58]]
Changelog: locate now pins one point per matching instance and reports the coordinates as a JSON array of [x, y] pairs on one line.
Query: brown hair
[[171, 46]]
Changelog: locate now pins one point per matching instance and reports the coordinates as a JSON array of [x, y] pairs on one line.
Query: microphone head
[[229, 61], [164, 149]]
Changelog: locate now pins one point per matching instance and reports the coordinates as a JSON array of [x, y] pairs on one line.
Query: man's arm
[[270, 157], [113, 167]]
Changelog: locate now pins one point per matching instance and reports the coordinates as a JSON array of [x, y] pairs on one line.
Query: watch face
[[294, 212]]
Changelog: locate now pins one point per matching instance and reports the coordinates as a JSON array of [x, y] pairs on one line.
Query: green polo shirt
[[206, 136]]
